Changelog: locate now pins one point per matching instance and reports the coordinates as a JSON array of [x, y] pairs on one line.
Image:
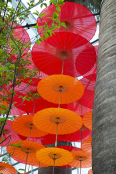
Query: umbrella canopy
[[7, 168], [78, 108], [3, 104], [35, 102], [78, 19], [53, 156], [64, 53], [78, 136], [23, 125], [81, 159], [60, 89], [87, 120], [21, 34], [8, 135], [88, 97], [90, 171], [87, 145], [48, 119], [26, 152]]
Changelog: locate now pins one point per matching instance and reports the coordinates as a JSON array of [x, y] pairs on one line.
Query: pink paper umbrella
[[21, 34], [8, 135], [78, 108], [64, 52], [36, 102], [78, 19]]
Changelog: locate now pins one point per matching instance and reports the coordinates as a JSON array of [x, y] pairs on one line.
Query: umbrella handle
[[62, 66], [56, 134], [26, 162]]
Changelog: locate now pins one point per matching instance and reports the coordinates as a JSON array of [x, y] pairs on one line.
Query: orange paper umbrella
[[90, 171], [23, 125], [3, 104], [57, 121], [86, 145], [61, 89], [26, 152], [7, 168], [87, 120], [53, 156], [81, 159]]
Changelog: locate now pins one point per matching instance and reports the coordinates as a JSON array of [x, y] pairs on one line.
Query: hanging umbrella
[[87, 120], [64, 53], [78, 19], [21, 34], [47, 120], [3, 104], [7, 168], [53, 156], [70, 149], [8, 135], [86, 60], [90, 171], [88, 97], [78, 136], [51, 139], [23, 125], [60, 89], [78, 108], [35, 102], [86, 145], [26, 152], [81, 159], [57, 121]]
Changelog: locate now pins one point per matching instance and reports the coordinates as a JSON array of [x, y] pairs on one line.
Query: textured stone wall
[[104, 111]]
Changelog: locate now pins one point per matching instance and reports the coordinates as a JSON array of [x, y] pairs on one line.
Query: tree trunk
[[104, 111]]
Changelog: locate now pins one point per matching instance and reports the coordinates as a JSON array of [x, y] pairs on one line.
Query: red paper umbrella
[[50, 139], [60, 54], [86, 60], [36, 102], [94, 69], [87, 99], [78, 19], [79, 136]]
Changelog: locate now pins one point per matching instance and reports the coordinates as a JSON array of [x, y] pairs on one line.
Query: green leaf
[[42, 14], [58, 9], [63, 24], [60, 2], [53, 1], [55, 15], [38, 42]]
